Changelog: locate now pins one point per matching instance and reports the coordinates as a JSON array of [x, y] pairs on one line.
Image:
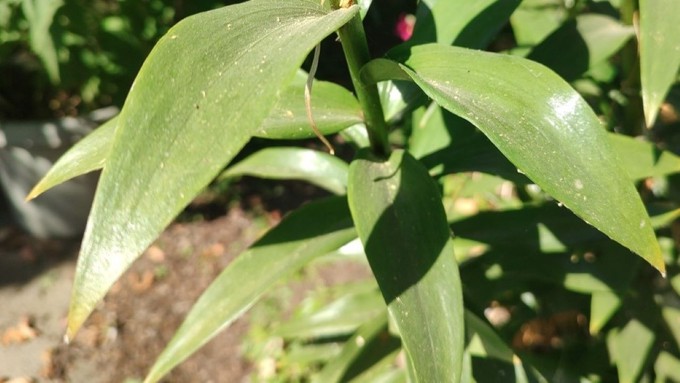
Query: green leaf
[[433, 143], [201, 94], [659, 52], [399, 97], [398, 214], [542, 243], [340, 317], [603, 305], [40, 16], [313, 230], [643, 159], [471, 24], [483, 340], [369, 344], [671, 316], [544, 127], [86, 155], [334, 108], [667, 368], [446, 143], [534, 20], [580, 44], [628, 349], [309, 165]]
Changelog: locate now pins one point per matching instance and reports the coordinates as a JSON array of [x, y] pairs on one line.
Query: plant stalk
[[354, 45]]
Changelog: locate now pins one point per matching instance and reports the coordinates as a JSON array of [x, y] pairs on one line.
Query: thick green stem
[[356, 53]]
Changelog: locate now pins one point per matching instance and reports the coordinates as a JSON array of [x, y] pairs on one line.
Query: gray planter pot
[[27, 151]]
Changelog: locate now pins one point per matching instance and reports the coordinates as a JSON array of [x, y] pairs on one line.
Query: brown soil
[[127, 332]]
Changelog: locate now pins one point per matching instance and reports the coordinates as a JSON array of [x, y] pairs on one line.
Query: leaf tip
[[658, 263], [650, 115], [75, 321], [36, 191]]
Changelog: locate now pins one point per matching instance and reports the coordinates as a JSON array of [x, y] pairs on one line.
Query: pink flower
[[404, 27]]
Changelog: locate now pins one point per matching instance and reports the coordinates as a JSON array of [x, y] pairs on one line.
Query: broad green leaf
[[333, 107], [309, 165], [340, 317], [603, 305], [312, 231], [398, 214], [446, 143], [471, 24], [628, 349], [543, 126], [580, 44], [201, 94], [86, 155], [434, 130], [40, 16], [433, 143], [659, 52]]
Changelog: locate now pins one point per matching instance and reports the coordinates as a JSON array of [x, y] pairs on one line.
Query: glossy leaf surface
[[543, 126], [180, 126], [433, 143], [86, 155], [312, 231], [659, 52], [398, 214], [321, 169]]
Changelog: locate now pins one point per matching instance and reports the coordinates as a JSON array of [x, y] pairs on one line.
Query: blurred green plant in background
[[62, 58]]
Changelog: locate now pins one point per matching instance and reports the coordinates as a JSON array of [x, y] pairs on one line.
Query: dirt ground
[[122, 338]]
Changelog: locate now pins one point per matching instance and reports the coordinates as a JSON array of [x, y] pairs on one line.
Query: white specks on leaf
[[578, 184]]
